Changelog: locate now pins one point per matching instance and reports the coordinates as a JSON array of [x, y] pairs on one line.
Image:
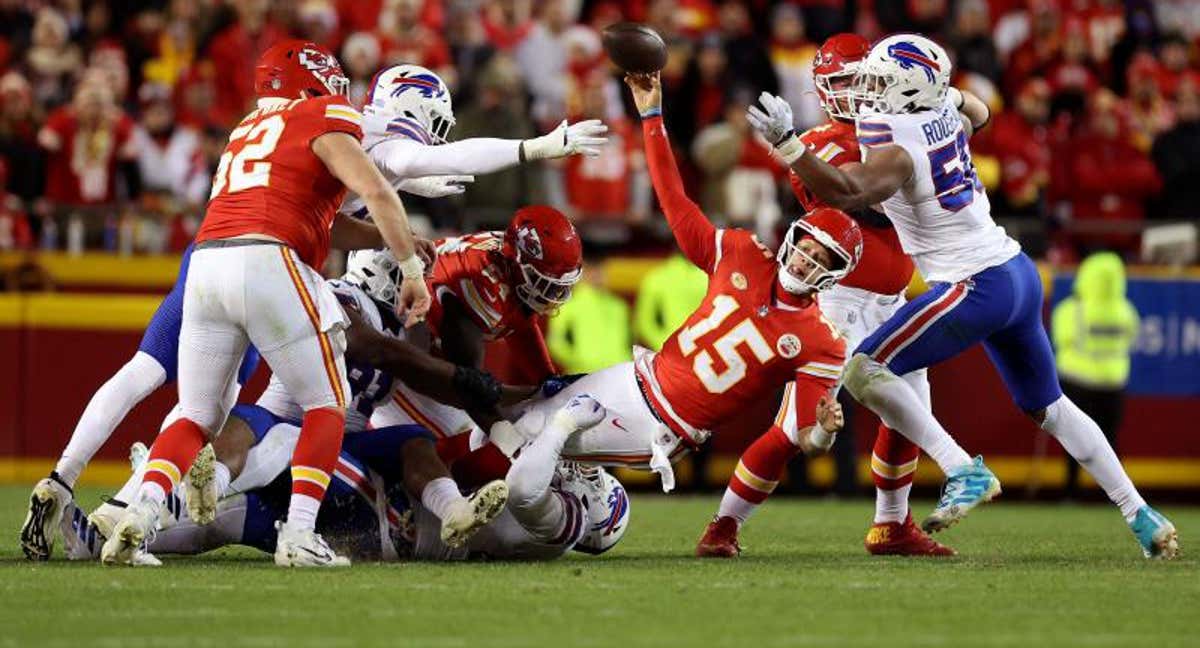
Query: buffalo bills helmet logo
[[618, 502], [426, 85], [909, 55], [529, 243]]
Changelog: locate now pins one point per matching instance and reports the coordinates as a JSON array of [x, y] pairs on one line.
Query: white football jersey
[[376, 129], [369, 387], [942, 214]]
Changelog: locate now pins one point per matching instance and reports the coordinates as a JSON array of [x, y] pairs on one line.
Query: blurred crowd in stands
[[113, 113]]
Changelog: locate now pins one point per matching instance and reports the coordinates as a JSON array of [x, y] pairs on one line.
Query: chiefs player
[[280, 180], [757, 328], [487, 286], [862, 301]]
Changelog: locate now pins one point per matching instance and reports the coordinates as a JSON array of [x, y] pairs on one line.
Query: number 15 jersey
[[269, 180], [941, 214]]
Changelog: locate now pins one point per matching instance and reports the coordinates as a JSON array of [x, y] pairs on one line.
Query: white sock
[[151, 493], [1082, 439], [107, 408], [267, 459], [302, 512], [736, 507], [440, 495], [130, 490], [222, 478], [891, 505], [901, 409]]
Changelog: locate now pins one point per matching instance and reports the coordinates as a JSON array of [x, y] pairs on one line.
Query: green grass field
[[1044, 575]]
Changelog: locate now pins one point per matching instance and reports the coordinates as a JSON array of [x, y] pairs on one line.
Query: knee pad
[[861, 375]]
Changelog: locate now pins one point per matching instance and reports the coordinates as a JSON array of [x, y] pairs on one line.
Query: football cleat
[[106, 516], [46, 505], [902, 539], [200, 487], [966, 487], [469, 515], [304, 548], [1155, 533], [135, 530], [81, 540], [720, 539]]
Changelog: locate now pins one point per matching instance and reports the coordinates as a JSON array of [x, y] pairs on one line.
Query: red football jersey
[[468, 269], [744, 341], [84, 168], [884, 268], [270, 182]]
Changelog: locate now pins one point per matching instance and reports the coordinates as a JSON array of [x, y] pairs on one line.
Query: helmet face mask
[[416, 94], [902, 74], [543, 293], [546, 256], [375, 272], [825, 228], [605, 502], [834, 69]]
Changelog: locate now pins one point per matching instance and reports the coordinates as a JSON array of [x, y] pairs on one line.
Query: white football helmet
[[903, 73], [605, 504], [414, 93], [375, 272]]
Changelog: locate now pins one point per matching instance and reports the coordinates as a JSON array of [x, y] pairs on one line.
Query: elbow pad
[[479, 387]]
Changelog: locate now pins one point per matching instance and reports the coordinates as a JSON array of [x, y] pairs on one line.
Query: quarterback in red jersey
[[486, 286], [253, 279], [757, 329], [862, 301]]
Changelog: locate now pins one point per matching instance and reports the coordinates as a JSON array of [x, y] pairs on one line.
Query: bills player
[[487, 286], [153, 365], [252, 280], [757, 329], [858, 304], [917, 164], [371, 514], [407, 119]]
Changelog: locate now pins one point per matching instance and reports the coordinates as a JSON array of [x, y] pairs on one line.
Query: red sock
[[761, 465], [480, 466], [172, 454], [893, 460], [316, 452]]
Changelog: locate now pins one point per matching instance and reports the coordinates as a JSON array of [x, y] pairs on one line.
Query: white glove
[[774, 121], [436, 186], [585, 137]]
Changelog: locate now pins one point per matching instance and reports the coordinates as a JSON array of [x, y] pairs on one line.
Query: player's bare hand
[[646, 89], [426, 250], [830, 415], [412, 302]]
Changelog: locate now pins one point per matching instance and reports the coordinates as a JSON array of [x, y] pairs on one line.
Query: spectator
[[602, 187], [15, 233], [1040, 48], [404, 39], [1094, 330], [168, 153], [1174, 53], [542, 56], [52, 59], [667, 295], [18, 137], [745, 51], [792, 56], [317, 20], [591, 331], [1149, 113], [972, 41], [1072, 77], [174, 47], [233, 52], [360, 58], [1109, 180], [703, 89], [1175, 157], [85, 141], [507, 23], [1019, 139]]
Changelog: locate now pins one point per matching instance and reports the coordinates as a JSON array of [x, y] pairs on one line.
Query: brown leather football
[[635, 47]]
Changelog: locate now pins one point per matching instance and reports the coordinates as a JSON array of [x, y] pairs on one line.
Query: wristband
[[791, 149], [412, 267], [656, 111], [820, 438]]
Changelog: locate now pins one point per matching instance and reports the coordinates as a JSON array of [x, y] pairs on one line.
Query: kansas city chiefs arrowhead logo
[[788, 345], [529, 243]]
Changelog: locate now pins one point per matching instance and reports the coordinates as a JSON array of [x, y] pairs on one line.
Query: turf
[[1028, 576]]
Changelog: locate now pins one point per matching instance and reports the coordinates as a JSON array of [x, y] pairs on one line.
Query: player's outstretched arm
[[848, 187], [405, 158], [345, 159], [693, 231]]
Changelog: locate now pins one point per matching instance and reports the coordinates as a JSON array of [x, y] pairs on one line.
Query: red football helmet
[[295, 68], [837, 233], [834, 68], [546, 249]]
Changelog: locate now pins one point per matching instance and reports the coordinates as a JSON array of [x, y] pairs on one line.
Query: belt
[[232, 243]]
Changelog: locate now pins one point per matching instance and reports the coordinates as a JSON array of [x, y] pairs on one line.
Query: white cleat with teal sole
[[1155, 534], [965, 488]]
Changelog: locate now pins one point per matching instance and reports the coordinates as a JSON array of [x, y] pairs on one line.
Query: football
[[635, 47]]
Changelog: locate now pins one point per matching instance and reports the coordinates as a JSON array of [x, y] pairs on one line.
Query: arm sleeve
[[697, 237], [406, 158]]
